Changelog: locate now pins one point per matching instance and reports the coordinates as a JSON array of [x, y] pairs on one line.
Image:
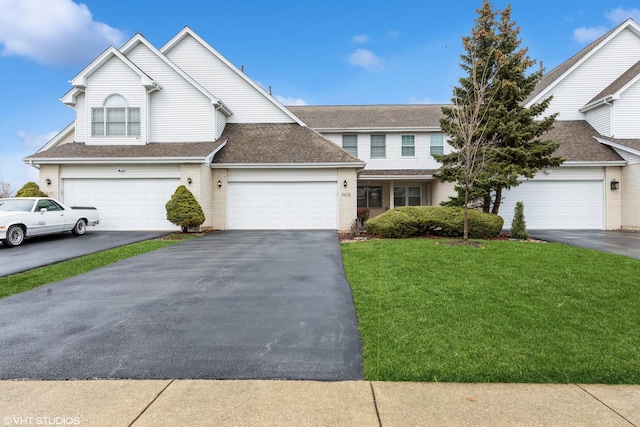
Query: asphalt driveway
[[617, 242], [45, 250], [230, 305]]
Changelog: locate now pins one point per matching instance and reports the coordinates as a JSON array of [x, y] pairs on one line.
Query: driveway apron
[[229, 305]]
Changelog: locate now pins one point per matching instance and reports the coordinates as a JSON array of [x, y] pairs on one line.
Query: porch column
[[391, 205]]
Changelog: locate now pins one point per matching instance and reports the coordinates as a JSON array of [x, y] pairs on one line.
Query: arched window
[[115, 118]]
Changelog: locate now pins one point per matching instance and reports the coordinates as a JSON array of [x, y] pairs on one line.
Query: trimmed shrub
[[31, 189], [392, 224], [434, 221], [184, 210], [518, 224]]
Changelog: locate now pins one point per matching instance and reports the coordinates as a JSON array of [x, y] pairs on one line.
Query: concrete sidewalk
[[295, 403]]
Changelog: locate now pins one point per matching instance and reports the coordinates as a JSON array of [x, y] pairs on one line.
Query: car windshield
[[16, 205]]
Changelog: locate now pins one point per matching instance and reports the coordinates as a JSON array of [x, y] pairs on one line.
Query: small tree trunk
[[486, 204], [465, 230], [496, 204]]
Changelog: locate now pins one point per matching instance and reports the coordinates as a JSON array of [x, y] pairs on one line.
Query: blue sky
[[316, 53]]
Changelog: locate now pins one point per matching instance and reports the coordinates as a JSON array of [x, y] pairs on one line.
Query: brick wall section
[[612, 199], [51, 172], [630, 192], [188, 170], [206, 194], [219, 199], [347, 198]]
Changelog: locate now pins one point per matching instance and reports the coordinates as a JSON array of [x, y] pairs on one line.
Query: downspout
[[147, 120], [612, 122]]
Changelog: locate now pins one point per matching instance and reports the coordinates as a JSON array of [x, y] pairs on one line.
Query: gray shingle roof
[[577, 142], [278, 143], [246, 143], [79, 150], [369, 116]]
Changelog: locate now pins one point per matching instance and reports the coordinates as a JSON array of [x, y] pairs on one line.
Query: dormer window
[[115, 118]]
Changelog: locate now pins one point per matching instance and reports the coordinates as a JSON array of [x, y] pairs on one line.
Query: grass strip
[[506, 312], [17, 283]]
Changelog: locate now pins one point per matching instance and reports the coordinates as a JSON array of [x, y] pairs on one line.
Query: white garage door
[[559, 205], [282, 205], [124, 204]]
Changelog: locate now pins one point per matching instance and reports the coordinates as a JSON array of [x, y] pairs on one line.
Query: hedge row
[[411, 221]]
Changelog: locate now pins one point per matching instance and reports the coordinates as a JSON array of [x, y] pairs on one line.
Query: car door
[[47, 218]]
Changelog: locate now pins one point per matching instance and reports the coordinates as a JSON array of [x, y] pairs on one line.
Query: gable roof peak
[[550, 79], [187, 31]]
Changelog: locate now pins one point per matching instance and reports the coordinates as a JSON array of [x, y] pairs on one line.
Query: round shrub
[[31, 189], [184, 210], [434, 221], [392, 224]]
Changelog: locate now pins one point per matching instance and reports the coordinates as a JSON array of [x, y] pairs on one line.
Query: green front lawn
[[507, 312]]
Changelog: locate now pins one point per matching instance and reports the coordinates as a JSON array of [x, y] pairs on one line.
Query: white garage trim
[[560, 205], [123, 204]]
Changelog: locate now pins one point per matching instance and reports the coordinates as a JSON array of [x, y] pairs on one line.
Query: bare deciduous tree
[[5, 190]]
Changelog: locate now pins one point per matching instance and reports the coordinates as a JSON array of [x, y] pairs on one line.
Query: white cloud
[[587, 35], [366, 59], [360, 38], [57, 33], [619, 15], [34, 141], [615, 17], [393, 34], [290, 101]]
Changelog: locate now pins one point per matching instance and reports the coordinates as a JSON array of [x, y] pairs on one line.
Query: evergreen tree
[[514, 131], [31, 189], [184, 210], [518, 224]]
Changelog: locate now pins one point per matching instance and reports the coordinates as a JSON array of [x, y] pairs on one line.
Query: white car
[[24, 217]]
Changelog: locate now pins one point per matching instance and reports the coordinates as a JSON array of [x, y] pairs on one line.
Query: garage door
[[282, 205], [124, 204], [560, 205]]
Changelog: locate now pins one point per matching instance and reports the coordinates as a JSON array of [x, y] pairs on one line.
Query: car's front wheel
[[15, 236], [80, 228]]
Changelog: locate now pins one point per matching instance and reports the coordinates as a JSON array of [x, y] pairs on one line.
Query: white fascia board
[[69, 98], [210, 157], [580, 164], [60, 136], [379, 130], [140, 39], [394, 177], [618, 146], [599, 102], [188, 31], [80, 81], [628, 24], [116, 160], [285, 165]]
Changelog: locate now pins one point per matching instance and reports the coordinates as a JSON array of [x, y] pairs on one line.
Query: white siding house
[[149, 120], [198, 120]]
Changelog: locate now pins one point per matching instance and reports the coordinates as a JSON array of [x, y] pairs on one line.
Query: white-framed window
[[378, 146], [407, 196], [436, 144], [370, 197], [115, 118], [350, 144], [408, 146]]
